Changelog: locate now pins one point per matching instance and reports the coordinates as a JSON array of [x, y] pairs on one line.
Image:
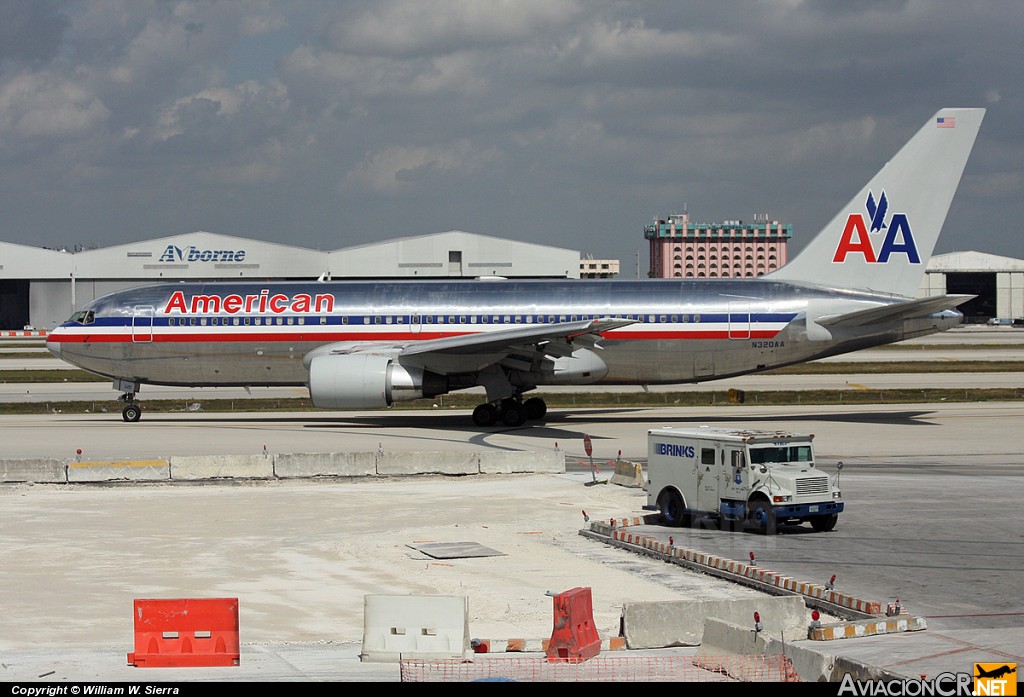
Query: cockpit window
[[83, 317]]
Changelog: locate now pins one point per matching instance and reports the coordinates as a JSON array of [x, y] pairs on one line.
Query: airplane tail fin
[[882, 239]]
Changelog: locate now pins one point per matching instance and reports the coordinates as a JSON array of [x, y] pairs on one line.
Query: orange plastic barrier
[[185, 632], [574, 637]]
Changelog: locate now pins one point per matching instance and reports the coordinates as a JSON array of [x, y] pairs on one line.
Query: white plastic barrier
[[415, 626]]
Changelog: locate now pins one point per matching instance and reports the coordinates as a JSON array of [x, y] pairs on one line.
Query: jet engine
[[368, 381]]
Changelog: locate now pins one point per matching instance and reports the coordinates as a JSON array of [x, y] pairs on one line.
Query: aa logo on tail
[[856, 237]]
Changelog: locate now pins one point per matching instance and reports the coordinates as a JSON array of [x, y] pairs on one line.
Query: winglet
[[882, 239]]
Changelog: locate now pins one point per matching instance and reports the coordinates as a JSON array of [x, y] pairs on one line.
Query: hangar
[[42, 287], [996, 281]]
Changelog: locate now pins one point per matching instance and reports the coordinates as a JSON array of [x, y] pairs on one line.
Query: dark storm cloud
[[326, 124], [31, 31]]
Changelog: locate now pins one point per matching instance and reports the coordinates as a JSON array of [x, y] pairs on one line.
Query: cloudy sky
[[326, 124]]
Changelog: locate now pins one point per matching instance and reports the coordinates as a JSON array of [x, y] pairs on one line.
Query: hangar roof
[[968, 262]]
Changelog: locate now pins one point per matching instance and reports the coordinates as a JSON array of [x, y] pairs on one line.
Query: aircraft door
[[739, 320], [142, 324]]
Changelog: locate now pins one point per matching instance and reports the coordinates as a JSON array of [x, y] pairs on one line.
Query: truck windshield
[[779, 454]]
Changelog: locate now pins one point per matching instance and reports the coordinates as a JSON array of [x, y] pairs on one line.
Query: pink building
[[731, 249]]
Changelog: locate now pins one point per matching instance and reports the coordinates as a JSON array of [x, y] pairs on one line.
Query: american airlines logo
[[193, 253], [262, 302], [857, 240]]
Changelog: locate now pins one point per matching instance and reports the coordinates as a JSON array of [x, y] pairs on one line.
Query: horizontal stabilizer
[[890, 313]]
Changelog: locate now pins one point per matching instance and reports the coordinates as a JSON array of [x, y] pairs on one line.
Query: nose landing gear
[[132, 410]]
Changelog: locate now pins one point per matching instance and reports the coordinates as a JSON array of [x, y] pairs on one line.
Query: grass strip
[[582, 400]]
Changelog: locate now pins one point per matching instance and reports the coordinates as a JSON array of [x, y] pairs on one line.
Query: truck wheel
[[761, 515], [824, 523], [673, 513]]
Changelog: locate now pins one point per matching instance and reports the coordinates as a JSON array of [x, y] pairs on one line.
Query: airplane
[[996, 672], [371, 344]]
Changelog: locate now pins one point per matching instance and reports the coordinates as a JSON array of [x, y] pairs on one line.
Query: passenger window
[[323, 320]]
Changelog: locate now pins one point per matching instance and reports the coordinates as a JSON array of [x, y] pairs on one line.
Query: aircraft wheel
[[131, 413], [762, 516], [535, 408], [485, 415], [512, 413]]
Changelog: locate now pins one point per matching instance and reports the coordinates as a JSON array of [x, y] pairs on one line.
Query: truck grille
[[811, 486]]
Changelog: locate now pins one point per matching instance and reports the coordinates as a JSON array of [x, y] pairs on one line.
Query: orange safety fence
[[752, 668]]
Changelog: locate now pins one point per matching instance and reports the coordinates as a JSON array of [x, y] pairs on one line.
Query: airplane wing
[[888, 313], [584, 333], [473, 352]]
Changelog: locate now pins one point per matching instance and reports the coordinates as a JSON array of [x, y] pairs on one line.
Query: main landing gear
[[512, 411], [132, 410]]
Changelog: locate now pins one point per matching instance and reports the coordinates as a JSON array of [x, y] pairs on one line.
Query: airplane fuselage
[[257, 334]]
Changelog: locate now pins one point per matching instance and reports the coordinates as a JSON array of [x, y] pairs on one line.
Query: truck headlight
[[781, 499], [836, 494]]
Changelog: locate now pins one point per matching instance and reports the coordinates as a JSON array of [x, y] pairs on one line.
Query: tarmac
[[301, 556]]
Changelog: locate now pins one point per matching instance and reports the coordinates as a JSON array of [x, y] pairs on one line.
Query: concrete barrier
[[284, 465], [415, 626], [441, 462], [629, 474], [869, 627], [119, 470], [43, 470], [296, 465], [726, 638], [522, 461], [191, 467], [656, 625]]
